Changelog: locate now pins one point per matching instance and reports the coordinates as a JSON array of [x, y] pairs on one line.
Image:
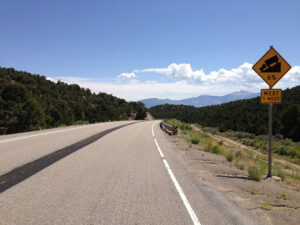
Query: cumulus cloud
[[179, 72], [51, 79], [184, 71], [189, 83], [242, 75], [293, 75], [127, 76]]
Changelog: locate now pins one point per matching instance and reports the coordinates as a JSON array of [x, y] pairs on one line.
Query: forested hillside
[[30, 102], [244, 115]]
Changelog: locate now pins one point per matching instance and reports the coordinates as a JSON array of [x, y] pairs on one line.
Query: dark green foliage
[[30, 102], [195, 139], [291, 122], [229, 157], [243, 115], [141, 112], [214, 149]]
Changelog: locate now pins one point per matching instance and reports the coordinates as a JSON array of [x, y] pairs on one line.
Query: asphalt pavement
[[122, 178]]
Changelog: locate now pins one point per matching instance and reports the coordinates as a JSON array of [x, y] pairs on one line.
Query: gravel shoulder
[[271, 201]]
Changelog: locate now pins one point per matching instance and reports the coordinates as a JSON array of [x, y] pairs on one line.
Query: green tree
[[291, 122]]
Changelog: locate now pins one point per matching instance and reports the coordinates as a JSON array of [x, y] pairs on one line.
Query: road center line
[[178, 188]]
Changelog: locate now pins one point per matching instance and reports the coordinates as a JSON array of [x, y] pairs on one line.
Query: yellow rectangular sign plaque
[[268, 96]]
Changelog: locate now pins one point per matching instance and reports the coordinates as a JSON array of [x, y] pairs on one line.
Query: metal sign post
[[270, 141], [271, 68]]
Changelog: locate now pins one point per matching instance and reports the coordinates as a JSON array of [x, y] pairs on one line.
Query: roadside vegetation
[[282, 147], [243, 115], [32, 102], [252, 159]]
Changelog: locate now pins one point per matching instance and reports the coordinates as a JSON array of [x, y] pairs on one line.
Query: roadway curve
[[119, 179]]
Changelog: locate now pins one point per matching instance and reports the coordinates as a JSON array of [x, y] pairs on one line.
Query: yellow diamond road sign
[[271, 67]]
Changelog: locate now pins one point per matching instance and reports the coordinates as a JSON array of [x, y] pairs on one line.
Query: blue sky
[[140, 49]]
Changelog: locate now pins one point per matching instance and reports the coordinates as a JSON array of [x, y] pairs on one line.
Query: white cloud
[[243, 75], [293, 76], [179, 72], [127, 76], [136, 90], [51, 79], [215, 83], [184, 71]]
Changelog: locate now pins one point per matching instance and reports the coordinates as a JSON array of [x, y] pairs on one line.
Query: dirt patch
[[149, 116], [272, 201]]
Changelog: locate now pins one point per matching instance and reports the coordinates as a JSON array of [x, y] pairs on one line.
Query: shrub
[[254, 191], [283, 196], [185, 126], [81, 122], [295, 176], [212, 130], [229, 157], [254, 173], [220, 142], [208, 147], [279, 173], [257, 145], [240, 166], [181, 125], [265, 206], [292, 153], [287, 166], [204, 135], [195, 139], [216, 149]]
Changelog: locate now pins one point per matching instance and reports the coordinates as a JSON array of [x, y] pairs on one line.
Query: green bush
[[217, 149], [265, 206], [292, 152], [80, 122], [195, 139], [279, 173], [254, 191], [257, 145], [254, 173], [283, 196], [220, 142], [212, 130], [294, 175], [204, 135], [229, 157], [181, 125], [185, 126], [240, 166]]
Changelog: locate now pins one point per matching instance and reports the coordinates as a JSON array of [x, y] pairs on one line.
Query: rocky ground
[[271, 200]]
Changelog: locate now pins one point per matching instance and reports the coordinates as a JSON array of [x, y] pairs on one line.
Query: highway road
[[128, 174]]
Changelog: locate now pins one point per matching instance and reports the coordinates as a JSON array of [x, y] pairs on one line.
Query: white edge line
[[178, 188]]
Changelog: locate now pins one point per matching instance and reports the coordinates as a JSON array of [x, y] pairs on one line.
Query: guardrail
[[168, 128]]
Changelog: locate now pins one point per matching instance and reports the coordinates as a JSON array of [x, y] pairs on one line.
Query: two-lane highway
[[18, 149], [122, 178]]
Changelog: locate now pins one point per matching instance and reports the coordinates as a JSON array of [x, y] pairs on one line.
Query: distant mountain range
[[202, 100]]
